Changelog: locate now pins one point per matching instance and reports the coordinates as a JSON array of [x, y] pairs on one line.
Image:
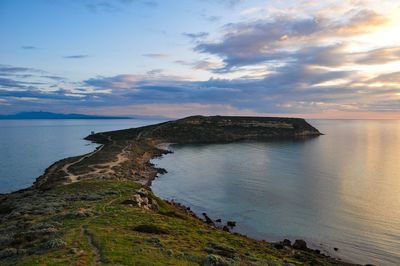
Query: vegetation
[[87, 223], [97, 209]]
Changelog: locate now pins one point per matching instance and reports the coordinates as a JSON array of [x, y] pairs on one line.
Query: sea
[[28, 147], [340, 192]]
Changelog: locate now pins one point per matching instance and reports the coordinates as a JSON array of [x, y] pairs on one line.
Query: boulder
[[142, 192], [208, 219], [231, 224], [300, 244]]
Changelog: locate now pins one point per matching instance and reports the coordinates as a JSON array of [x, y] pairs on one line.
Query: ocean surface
[[340, 190], [28, 147]]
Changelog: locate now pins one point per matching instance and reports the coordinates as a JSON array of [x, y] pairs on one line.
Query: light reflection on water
[[339, 190]]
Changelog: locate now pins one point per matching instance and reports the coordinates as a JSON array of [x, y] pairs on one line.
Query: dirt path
[[104, 168], [96, 252], [73, 177]]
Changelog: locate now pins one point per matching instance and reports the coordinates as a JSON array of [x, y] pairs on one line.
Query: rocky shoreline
[[66, 214]]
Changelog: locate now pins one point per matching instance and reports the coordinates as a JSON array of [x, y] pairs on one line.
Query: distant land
[[49, 115]]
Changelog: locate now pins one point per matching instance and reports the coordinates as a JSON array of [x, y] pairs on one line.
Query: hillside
[[97, 209]]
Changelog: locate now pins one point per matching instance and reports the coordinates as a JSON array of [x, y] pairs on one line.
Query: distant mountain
[[49, 115]]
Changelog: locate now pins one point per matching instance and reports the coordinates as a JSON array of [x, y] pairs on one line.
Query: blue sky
[[336, 59]]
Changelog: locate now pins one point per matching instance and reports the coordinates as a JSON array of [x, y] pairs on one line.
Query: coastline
[[215, 221], [136, 167]]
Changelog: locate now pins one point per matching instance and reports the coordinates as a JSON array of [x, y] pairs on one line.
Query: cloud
[[24, 84], [117, 5], [378, 56], [212, 18], [78, 56], [156, 55], [196, 36], [199, 64], [280, 37], [230, 3], [29, 47], [172, 110], [56, 78], [286, 63], [7, 69], [154, 72], [152, 4], [362, 21]]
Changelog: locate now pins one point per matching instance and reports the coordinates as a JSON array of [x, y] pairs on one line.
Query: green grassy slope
[[92, 223]]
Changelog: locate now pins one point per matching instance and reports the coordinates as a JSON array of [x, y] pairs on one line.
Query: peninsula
[[98, 209]]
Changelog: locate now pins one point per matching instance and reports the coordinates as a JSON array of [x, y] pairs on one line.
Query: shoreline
[[136, 167], [313, 246]]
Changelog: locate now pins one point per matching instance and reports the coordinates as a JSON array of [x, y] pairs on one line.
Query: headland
[[98, 209]]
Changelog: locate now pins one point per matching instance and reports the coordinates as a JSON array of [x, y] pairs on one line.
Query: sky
[[174, 58]]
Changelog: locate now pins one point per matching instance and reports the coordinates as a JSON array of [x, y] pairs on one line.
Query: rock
[[278, 245], [208, 219], [218, 220], [142, 192], [335, 249], [161, 171], [300, 244], [142, 200], [231, 224], [226, 228], [145, 200], [286, 243], [8, 252]]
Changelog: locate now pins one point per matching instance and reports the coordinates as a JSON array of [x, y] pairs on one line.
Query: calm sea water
[[338, 190], [28, 147]]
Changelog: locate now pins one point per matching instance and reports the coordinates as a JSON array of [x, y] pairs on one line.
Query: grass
[[118, 234]]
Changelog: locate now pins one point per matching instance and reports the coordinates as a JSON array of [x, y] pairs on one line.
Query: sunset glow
[[336, 59]]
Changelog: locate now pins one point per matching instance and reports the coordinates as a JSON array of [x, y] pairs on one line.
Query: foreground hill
[[97, 209]]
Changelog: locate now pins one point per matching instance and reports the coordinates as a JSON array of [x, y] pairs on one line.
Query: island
[[98, 208]]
